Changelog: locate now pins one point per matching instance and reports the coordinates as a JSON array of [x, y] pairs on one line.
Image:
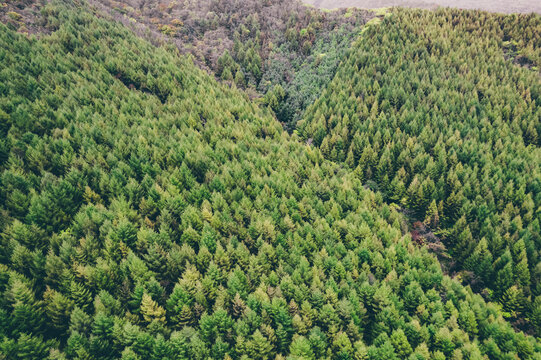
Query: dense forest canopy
[[282, 49], [436, 112], [149, 211]]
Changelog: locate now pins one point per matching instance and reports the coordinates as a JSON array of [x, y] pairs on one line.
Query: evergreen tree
[[400, 343], [151, 311]]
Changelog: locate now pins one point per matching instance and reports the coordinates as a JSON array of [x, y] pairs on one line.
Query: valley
[[255, 179]]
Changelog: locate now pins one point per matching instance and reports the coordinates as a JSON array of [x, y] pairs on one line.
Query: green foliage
[[254, 44], [430, 111], [161, 214]]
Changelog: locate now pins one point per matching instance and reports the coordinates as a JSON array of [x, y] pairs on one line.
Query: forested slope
[[283, 49], [149, 212], [440, 112]]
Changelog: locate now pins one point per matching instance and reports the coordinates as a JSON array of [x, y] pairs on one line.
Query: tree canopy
[[151, 212], [432, 110]]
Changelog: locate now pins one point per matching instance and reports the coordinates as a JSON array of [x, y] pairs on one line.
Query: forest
[[448, 129], [153, 209], [281, 51]]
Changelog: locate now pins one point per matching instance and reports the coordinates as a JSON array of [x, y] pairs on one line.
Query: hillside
[[283, 52], [281, 49], [150, 212], [440, 112]]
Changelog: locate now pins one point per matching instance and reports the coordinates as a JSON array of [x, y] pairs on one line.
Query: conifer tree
[[151, 311]]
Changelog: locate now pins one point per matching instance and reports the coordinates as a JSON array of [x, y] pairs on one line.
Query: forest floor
[[503, 6]]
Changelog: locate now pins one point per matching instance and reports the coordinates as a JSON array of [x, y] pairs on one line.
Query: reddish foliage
[[417, 237]]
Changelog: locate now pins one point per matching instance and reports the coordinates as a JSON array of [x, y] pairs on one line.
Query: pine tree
[[258, 347], [342, 346], [227, 75], [481, 261], [27, 313], [444, 342], [400, 343], [240, 79], [185, 317], [80, 322], [58, 309], [512, 301], [468, 321], [521, 270], [504, 279], [129, 354], [422, 352], [151, 311], [299, 325], [238, 306], [80, 295], [300, 349], [432, 217], [452, 206], [360, 351], [32, 347]]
